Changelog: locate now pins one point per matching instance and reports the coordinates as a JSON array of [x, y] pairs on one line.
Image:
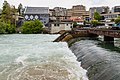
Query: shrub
[[32, 27], [10, 29], [2, 28]]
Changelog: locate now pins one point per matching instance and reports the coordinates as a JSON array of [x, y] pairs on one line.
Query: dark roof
[[36, 10]]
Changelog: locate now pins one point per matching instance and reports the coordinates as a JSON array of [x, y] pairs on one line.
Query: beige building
[[69, 12], [60, 11], [52, 12], [78, 11], [59, 26], [86, 15]]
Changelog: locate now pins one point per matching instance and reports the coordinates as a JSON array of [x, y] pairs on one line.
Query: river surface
[[36, 57]]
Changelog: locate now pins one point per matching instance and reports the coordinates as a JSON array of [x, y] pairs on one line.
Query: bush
[[2, 28], [32, 27], [10, 29], [7, 28]]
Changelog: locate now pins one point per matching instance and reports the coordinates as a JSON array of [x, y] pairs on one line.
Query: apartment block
[[101, 10]]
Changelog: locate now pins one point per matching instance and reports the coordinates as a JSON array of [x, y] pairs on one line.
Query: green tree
[[97, 16], [8, 19], [117, 20], [32, 27], [8, 13], [2, 28]]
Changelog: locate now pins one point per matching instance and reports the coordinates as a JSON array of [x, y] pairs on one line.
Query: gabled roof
[[36, 10]]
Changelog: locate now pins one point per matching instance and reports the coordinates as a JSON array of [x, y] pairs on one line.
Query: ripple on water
[[45, 71]]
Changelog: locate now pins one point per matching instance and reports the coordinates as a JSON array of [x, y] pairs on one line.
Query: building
[[58, 14], [78, 10], [40, 13], [116, 9], [60, 11], [69, 12], [52, 12], [56, 27], [86, 16], [100, 10], [109, 16]]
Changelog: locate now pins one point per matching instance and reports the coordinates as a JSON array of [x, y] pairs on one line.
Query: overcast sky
[[63, 3]]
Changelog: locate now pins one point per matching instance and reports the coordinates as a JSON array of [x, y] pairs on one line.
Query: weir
[[100, 63]]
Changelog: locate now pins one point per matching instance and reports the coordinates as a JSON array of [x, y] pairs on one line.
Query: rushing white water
[[36, 57]]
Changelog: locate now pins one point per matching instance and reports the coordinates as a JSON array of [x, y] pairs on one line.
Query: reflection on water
[[36, 57]]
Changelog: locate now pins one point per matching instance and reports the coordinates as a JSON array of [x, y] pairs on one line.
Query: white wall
[[55, 29]]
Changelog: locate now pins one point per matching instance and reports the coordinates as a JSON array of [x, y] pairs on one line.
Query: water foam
[[36, 57]]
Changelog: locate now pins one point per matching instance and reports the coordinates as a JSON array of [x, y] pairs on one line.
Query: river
[[101, 59], [36, 57]]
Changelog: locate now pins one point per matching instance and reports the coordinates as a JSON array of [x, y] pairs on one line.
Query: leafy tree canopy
[[32, 27], [8, 13], [6, 28], [97, 16]]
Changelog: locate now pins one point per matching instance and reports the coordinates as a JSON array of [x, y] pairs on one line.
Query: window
[[58, 25], [54, 24]]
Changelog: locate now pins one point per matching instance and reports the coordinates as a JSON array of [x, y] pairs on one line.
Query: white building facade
[[59, 26]]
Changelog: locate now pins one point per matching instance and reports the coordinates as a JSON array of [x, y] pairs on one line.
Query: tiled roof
[[36, 10]]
